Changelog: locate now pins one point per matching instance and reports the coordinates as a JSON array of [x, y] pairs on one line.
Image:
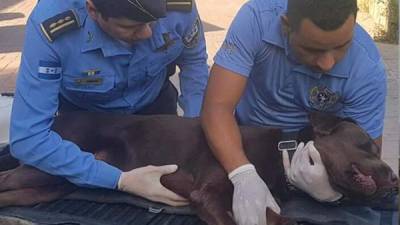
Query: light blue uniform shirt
[[96, 72], [280, 91]]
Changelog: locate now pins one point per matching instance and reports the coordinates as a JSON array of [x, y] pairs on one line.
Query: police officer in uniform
[[280, 60], [111, 56]]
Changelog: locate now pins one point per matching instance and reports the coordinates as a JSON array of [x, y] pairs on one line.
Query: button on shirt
[[96, 72], [280, 91]]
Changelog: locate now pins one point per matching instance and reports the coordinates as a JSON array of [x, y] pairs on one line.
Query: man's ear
[[323, 123], [285, 24], [92, 10]]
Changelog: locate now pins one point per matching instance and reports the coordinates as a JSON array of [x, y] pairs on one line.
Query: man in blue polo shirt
[[103, 55], [279, 61]]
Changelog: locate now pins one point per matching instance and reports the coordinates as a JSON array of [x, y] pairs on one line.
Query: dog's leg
[[206, 202], [31, 196], [213, 197], [7, 162], [180, 182], [276, 219], [26, 177], [210, 207]]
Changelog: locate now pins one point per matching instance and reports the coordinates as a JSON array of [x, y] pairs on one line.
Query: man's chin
[[317, 70]]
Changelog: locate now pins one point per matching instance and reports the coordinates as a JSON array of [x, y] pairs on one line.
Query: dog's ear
[[323, 123]]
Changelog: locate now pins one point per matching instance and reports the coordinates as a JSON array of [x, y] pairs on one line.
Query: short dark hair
[[326, 14], [116, 9]]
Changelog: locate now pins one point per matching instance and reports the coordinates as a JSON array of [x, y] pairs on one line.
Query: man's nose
[[145, 32], [325, 61]]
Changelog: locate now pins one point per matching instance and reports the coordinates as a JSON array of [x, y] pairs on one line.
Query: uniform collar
[[270, 19], [160, 36], [94, 38]]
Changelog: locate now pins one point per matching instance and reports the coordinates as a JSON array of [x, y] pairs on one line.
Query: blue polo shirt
[[98, 73], [280, 91]]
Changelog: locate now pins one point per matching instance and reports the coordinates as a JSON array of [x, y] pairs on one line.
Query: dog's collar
[[288, 141]]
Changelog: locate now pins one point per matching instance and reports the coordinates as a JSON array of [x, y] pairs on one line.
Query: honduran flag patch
[[49, 70]]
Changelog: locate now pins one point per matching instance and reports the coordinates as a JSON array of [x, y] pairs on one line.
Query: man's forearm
[[224, 137]]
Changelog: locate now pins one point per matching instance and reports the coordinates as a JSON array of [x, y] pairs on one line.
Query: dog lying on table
[[128, 141]]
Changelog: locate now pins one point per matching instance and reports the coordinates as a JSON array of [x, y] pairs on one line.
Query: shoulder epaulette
[[59, 24], [180, 5]]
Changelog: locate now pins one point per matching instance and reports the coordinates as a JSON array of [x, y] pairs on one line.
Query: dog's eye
[[366, 146], [369, 146]]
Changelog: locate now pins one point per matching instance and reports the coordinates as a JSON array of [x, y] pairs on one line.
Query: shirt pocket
[[97, 88]]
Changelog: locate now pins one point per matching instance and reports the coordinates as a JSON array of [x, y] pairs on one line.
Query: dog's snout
[[394, 190], [394, 179]]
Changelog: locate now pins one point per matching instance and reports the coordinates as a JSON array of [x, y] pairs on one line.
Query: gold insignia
[[91, 72], [168, 42]]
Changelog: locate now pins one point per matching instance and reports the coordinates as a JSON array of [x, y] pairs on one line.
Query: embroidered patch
[[192, 38], [321, 98], [49, 70], [59, 24]]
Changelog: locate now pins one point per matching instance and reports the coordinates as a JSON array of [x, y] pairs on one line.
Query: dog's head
[[352, 159]]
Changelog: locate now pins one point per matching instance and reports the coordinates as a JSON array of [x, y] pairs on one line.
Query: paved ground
[[216, 16]]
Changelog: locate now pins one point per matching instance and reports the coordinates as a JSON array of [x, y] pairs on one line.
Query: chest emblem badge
[[322, 98]]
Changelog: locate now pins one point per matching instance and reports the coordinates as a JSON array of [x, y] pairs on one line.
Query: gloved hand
[[145, 182], [311, 178], [251, 197]]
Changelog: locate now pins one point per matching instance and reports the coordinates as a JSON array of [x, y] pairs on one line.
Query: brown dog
[[127, 142]]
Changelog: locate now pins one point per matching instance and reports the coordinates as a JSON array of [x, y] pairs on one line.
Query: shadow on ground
[[12, 38], [8, 3], [208, 27], [10, 16]]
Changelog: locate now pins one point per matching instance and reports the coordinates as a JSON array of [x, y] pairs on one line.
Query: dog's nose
[[395, 190], [394, 180]]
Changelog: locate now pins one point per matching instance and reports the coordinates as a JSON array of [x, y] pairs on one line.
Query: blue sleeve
[[35, 104], [365, 101], [193, 67], [243, 40]]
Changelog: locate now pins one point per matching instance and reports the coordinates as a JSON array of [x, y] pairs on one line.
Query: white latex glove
[[251, 197], [145, 182], [311, 178]]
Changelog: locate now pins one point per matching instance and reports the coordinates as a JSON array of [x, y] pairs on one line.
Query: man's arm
[[366, 104], [221, 129], [233, 64], [35, 104], [193, 65]]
